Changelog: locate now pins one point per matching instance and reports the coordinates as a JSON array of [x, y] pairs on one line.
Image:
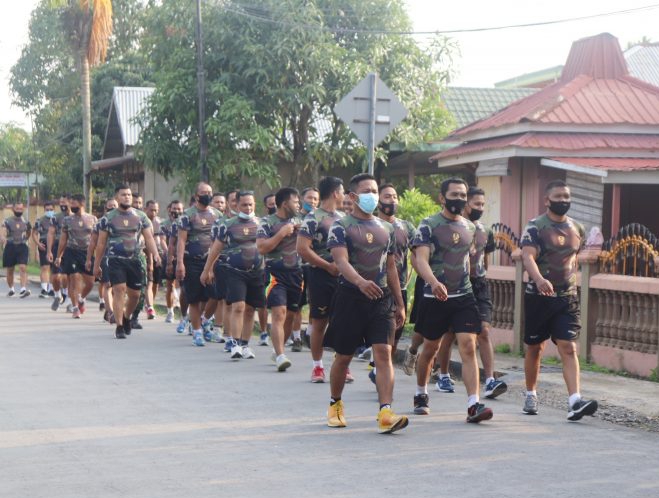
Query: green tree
[[274, 74]]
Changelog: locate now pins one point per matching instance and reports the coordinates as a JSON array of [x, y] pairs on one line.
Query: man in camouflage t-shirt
[[442, 244], [74, 241], [119, 236], [322, 275], [369, 305], [58, 277], [17, 232], [240, 266], [550, 244], [40, 239], [276, 240]]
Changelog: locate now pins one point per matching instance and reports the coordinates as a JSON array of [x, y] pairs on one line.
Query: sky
[[484, 58]]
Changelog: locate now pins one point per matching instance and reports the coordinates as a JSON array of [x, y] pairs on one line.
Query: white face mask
[[245, 216]]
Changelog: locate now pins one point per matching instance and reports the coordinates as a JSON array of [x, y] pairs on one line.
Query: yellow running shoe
[[335, 416], [389, 422]]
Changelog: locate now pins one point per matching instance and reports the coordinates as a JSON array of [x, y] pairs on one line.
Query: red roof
[[612, 163], [594, 89], [559, 142]]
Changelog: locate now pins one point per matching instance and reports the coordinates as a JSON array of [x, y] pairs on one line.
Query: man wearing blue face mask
[[40, 238]]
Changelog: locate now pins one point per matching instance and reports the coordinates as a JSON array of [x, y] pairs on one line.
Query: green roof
[[531, 79]]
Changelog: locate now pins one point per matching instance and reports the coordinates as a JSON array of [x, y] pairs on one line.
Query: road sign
[[13, 179], [371, 110]]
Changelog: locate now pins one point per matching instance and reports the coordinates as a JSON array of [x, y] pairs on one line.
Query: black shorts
[[194, 291], [558, 318], [456, 314], [481, 290], [321, 288], [55, 270], [220, 281], [399, 331], [157, 275], [358, 320], [244, 286], [304, 297], [172, 276], [105, 271], [15, 254], [126, 271], [73, 261], [285, 289], [418, 297], [43, 255]]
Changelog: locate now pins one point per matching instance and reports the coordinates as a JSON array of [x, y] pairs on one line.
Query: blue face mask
[[50, 213], [307, 207], [368, 202], [245, 216]]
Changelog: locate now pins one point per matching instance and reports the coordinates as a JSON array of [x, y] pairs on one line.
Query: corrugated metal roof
[[467, 105], [597, 56], [560, 142], [643, 62], [612, 163], [128, 103]]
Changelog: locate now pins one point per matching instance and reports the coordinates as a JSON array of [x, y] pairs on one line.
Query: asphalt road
[[85, 415]]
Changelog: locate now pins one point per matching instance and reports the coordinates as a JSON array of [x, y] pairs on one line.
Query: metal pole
[[371, 124], [201, 97]]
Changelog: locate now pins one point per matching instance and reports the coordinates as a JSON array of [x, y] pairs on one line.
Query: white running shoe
[[236, 352], [248, 354]]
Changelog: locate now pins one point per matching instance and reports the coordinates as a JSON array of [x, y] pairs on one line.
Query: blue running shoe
[[229, 345], [371, 375], [182, 325], [198, 339], [444, 385]]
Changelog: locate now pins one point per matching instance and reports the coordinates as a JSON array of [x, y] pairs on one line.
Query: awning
[[112, 162]]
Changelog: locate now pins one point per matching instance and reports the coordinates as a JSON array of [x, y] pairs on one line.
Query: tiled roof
[[643, 62], [612, 163], [470, 104]]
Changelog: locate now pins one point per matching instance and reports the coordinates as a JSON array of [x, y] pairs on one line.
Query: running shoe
[[135, 324], [335, 417], [421, 404], [51, 293], [349, 378], [69, 308], [212, 336], [106, 316], [289, 342], [530, 404], [444, 385], [478, 412], [56, 302], [128, 329], [318, 375], [581, 408], [150, 313], [170, 317], [111, 318], [182, 325], [306, 338], [11, 293], [101, 306], [236, 352], [297, 346], [389, 422], [82, 307], [43, 294], [24, 293], [119, 332], [75, 313], [409, 362], [229, 345], [371, 372], [283, 363], [495, 388], [248, 354], [198, 339], [365, 355], [434, 375], [263, 339]]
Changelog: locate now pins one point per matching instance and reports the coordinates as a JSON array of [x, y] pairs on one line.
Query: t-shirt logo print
[[204, 221], [456, 237], [80, 223], [561, 240], [245, 231], [18, 225], [369, 237], [125, 223]]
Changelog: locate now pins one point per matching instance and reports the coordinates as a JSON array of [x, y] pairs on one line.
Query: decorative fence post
[[588, 260], [518, 316]]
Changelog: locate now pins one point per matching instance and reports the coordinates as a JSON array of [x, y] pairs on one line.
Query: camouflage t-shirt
[[483, 245], [404, 234], [239, 239], [124, 229], [284, 256], [450, 242], [57, 221], [198, 224], [17, 230], [316, 226], [78, 230], [158, 232], [368, 242], [41, 226], [557, 245]]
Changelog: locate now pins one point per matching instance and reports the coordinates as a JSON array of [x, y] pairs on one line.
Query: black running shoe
[[135, 324], [478, 412], [43, 294], [24, 293], [51, 293], [581, 408], [127, 326], [421, 404], [11, 293], [119, 332], [101, 306]]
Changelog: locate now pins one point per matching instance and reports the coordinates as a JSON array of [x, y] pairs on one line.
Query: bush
[[414, 206]]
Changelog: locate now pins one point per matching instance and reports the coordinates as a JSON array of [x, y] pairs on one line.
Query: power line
[[248, 12]]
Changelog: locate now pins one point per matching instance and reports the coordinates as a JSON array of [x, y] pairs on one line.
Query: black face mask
[[475, 214], [272, 210], [204, 200], [18, 214], [175, 214], [124, 206], [388, 209], [455, 206], [75, 210], [64, 208], [559, 208]]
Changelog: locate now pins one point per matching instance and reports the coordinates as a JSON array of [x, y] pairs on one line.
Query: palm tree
[[88, 24]]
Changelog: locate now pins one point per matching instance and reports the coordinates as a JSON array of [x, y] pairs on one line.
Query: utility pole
[[201, 98]]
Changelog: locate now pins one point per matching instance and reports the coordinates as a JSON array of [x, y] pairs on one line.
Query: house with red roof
[[596, 127]]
